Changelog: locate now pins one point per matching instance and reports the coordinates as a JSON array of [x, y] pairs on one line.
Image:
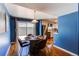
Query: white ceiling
[[44, 10], [54, 9], [19, 11]]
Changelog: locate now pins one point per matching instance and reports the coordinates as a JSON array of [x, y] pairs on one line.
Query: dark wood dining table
[[36, 46]]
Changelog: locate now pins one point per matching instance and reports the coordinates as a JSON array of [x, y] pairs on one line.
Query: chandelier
[[34, 20]]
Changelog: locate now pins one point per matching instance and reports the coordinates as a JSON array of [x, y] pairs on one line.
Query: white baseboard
[[8, 51], [73, 54]]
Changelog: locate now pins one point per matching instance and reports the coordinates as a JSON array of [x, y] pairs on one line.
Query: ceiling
[[43, 10], [24, 12], [54, 9]]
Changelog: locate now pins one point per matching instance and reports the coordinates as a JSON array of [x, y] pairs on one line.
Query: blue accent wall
[[78, 27], [12, 29], [3, 50], [68, 32]]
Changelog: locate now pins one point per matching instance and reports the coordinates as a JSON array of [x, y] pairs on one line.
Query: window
[[25, 28], [30, 28]]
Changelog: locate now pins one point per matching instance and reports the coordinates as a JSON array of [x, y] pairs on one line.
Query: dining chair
[[23, 44]]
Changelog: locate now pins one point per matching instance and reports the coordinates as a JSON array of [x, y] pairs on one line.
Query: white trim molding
[[73, 54], [8, 50]]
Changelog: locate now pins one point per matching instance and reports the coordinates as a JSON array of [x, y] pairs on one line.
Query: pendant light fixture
[[34, 20]]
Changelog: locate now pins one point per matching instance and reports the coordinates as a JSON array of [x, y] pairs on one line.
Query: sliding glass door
[[25, 28], [30, 28]]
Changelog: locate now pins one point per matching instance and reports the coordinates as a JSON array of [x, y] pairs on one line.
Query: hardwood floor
[[13, 50], [54, 52], [44, 52]]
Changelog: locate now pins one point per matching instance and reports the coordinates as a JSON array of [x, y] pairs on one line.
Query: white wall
[[4, 36]]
